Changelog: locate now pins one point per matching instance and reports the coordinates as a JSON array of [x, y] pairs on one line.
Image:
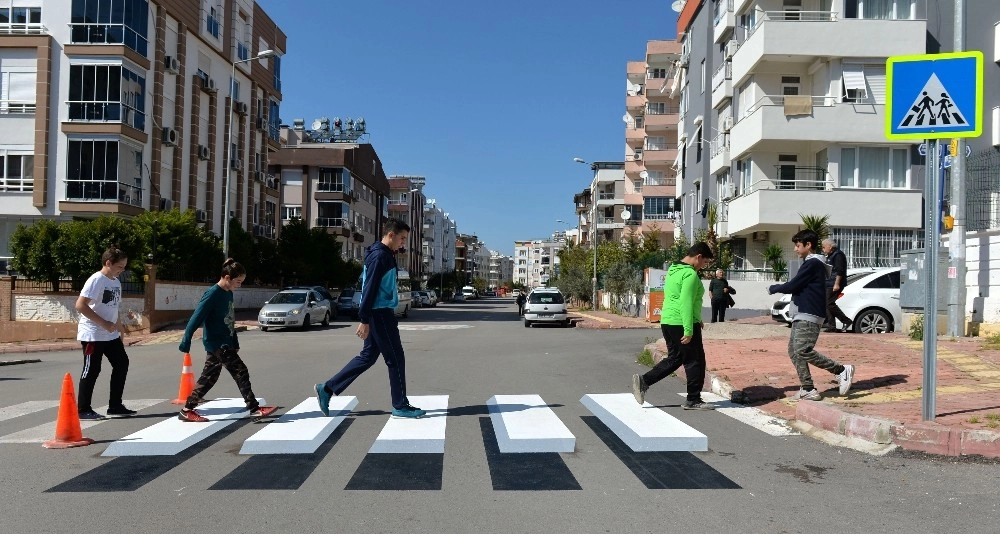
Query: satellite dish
[[626, 215], [678, 5], [644, 174], [317, 124], [625, 118]]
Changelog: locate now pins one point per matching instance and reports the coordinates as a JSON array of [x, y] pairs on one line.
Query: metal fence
[[982, 200], [67, 285]]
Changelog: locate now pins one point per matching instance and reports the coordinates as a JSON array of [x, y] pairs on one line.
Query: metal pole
[[931, 242], [593, 280], [227, 164], [956, 241]]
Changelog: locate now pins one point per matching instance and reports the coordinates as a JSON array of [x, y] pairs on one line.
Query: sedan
[[299, 308], [871, 298]]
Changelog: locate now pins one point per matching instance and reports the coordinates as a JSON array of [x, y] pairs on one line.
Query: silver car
[[299, 308]]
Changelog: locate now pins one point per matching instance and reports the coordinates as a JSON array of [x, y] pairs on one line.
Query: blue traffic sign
[[933, 96]]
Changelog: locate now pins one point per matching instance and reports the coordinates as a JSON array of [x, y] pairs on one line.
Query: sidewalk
[[603, 319], [748, 362]]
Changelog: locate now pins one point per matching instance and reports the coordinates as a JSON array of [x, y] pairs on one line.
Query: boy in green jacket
[[681, 324]]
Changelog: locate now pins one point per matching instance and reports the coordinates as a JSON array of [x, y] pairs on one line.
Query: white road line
[[424, 435], [172, 436], [524, 423], [301, 430], [644, 428], [47, 431], [754, 417], [25, 408]]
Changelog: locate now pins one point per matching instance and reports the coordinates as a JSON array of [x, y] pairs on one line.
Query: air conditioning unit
[[259, 123], [209, 84], [169, 136], [685, 58], [731, 47], [236, 164], [201, 216], [760, 237], [172, 65], [204, 152], [727, 123], [242, 108], [728, 191], [166, 204], [637, 155]]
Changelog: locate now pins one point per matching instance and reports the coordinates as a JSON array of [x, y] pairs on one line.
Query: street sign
[[922, 149], [934, 96], [953, 148]]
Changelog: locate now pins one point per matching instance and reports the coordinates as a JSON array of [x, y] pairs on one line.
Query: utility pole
[[956, 241]]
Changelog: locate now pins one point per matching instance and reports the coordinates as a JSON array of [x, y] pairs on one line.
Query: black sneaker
[[700, 405], [121, 411], [91, 415]]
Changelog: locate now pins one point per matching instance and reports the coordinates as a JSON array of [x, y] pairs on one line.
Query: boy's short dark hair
[[806, 236], [394, 226], [701, 248]]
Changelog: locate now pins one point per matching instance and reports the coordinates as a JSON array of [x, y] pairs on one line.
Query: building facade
[[439, 237], [341, 187], [406, 203], [501, 269], [124, 107], [536, 261], [602, 213]]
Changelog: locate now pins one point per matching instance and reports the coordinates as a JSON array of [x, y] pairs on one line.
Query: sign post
[[932, 97]]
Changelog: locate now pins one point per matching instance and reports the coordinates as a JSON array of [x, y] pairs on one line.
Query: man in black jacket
[[837, 281]]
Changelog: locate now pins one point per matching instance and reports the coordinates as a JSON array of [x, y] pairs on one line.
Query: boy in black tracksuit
[[808, 289]]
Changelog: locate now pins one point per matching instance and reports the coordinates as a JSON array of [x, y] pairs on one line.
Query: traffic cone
[[187, 381], [68, 431]]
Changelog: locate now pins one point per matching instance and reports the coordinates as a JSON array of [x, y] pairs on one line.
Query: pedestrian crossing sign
[[934, 96]]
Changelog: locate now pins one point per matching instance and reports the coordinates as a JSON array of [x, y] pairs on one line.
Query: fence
[[982, 201]]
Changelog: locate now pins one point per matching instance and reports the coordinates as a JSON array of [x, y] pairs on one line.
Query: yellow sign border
[[889, 64]]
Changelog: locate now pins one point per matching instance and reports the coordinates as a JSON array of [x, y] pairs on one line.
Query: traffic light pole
[[956, 241]]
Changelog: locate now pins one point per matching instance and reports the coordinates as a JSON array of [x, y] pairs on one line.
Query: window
[[274, 121], [103, 22], [291, 212], [277, 73], [637, 185], [99, 170], [16, 171], [658, 208], [656, 178], [21, 19], [704, 80], [874, 167], [878, 9], [109, 93], [790, 85], [270, 210], [656, 108], [333, 214], [864, 83], [336, 180], [212, 22], [241, 36], [886, 281], [17, 81], [786, 171], [656, 143], [655, 73], [744, 171], [234, 86]]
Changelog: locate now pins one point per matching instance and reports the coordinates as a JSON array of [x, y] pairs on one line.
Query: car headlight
[[296, 312]]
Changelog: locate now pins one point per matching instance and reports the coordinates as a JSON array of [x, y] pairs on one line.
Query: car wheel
[[527, 324], [263, 329], [872, 322], [566, 323], [326, 319], [306, 322]]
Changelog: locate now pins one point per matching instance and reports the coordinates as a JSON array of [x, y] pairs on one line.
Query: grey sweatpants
[[802, 351]]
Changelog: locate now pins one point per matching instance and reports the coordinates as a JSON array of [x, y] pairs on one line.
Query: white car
[[298, 308], [871, 298], [545, 305]]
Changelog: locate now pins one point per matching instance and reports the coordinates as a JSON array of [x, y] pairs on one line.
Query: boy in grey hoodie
[[808, 289]]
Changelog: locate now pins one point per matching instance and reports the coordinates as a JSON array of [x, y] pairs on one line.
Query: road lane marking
[[524, 423], [643, 428]]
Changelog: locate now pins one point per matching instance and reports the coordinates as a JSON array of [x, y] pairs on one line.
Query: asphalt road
[[748, 481]]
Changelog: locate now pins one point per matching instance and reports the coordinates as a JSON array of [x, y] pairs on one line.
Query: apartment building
[[337, 185], [406, 203], [607, 203], [782, 108], [124, 107], [501, 269], [651, 135], [536, 261], [583, 201], [439, 234]]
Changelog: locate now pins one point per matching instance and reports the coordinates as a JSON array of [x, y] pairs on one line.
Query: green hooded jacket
[[682, 295]]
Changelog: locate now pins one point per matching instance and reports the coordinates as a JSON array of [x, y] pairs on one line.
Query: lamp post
[[229, 147], [593, 224]]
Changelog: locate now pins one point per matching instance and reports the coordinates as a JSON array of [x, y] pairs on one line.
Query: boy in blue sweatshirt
[[808, 289], [379, 327]]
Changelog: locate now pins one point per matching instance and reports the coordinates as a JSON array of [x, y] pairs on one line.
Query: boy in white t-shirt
[[99, 332]]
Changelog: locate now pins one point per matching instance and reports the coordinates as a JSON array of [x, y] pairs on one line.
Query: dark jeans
[[833, 311], [230, 359], [691, 356], [383, 338], [719, 310], [93, 353]]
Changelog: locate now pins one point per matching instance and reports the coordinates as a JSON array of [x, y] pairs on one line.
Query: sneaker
[[263, 411], [811, 394], [407, 412], [191, 416], [121, 411], [845, 378], [700, 405], [91, 415], [324, 399], [639, 388]]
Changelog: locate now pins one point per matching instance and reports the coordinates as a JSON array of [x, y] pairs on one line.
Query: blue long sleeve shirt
[[808, 289]]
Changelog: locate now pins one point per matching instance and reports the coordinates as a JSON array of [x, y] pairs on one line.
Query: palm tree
[[818, 224]]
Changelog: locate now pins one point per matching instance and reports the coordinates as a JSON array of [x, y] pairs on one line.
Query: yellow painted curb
[[594, 317]]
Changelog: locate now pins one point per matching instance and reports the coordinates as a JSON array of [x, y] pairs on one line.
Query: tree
[[817, 223], [479, 284], [774, 256], [33, 249], [623, 281], [651, 239]]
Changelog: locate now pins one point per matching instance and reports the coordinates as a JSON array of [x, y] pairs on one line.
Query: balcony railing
[[12, 107], [723, 73], [795, 16], [332, 187], [605, 196], [103, 191], [779, 100], [332, 222], [721, 8], [789, 178], [22, 28], [661, 110], [719, 144]]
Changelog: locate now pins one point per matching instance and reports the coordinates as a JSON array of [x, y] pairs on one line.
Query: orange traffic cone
[[187, 381], [68, 431]]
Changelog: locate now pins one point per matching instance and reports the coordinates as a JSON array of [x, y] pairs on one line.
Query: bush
[[917, 327]]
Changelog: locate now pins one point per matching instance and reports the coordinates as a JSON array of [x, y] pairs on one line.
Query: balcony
[[720, 153], [776, 205], [662, 120], [803, 36], [607, 199], [635, 68], [635, 134], [766, 125], [609, 223], [635, 103], [725, 20], [722, 84], [660, 156]]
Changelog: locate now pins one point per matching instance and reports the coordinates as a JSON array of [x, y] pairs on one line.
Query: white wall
[[186, 296], [61, 309]]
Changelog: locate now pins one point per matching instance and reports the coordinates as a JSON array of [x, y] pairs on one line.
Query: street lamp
[[229, 147], [593, 225]]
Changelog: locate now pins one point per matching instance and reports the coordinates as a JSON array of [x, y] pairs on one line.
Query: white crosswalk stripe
[[25, 408], [644, 428], [524, 423], [301, 430], [47, 431], [754, 417], [423, 435]]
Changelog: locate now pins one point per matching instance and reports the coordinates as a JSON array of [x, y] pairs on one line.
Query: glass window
[[16, 172], [111, 22], [104, 171], [107, 93], [848, 161], [874, 167], [335, 179], [539, 297]]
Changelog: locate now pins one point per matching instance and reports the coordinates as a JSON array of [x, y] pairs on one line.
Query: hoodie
[[808, 289], [682, 294], [378, 281]]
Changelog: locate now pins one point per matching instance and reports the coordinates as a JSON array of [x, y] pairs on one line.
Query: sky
[[490, 101]]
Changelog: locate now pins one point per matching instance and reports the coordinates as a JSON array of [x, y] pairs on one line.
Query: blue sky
[[490, 101]]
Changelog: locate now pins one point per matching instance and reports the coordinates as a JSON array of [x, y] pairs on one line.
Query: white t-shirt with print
[[105, 294]]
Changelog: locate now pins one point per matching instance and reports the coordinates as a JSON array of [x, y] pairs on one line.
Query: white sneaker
[[845, 378], [812, 395]]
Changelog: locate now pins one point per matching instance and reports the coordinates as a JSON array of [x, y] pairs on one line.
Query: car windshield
[[288, 298], [545, 298], [347, 294]]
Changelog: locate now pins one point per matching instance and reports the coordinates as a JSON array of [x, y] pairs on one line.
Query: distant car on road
[[346, 304], [299, 308], [545, 305], [470, 293], [871, 299]]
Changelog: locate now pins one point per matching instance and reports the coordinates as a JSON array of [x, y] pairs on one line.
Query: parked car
[[871, 299], [545, 305], [346, 304], [432, 296], [417, 300], [470, 293], [402, 288], [424, 298], [515, 293], [299, 308]]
